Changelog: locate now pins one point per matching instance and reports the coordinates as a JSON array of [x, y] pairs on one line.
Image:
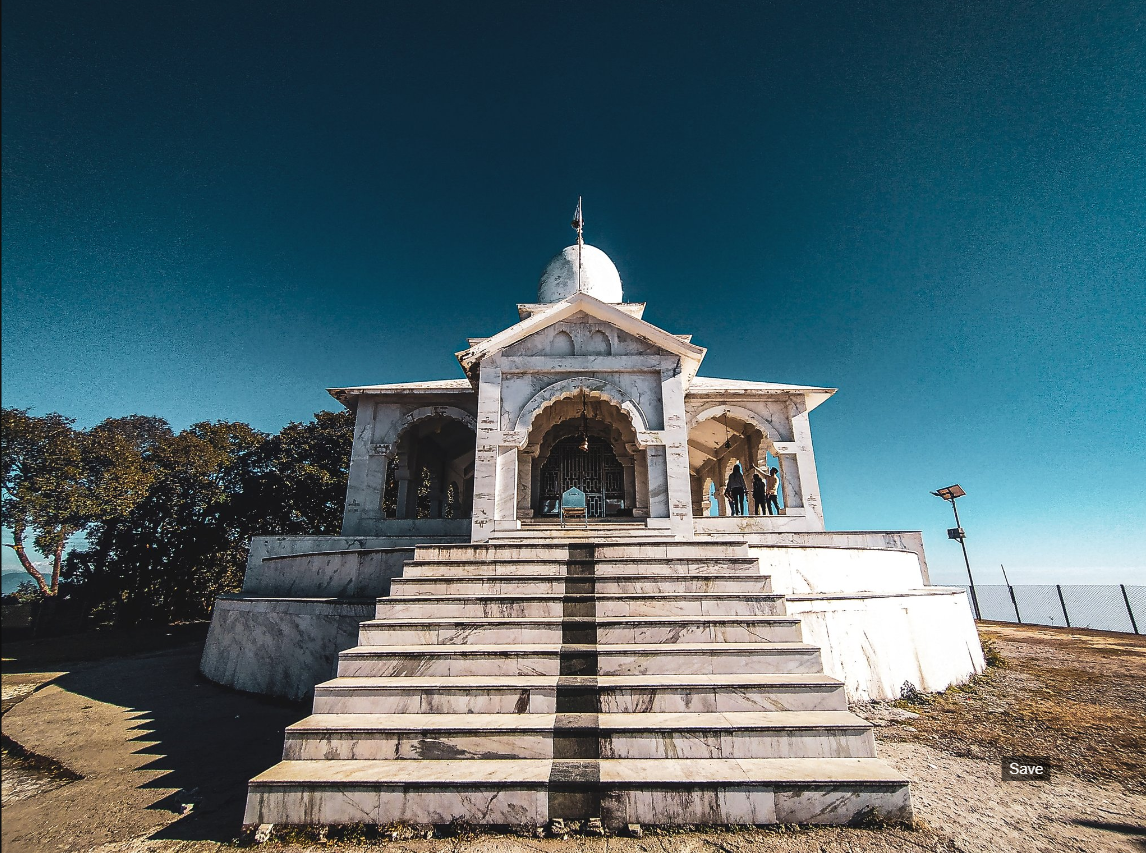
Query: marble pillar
[[676, 453], [407, 496], [525, 481], [358, 497], [696, 482], [486, 454], [641, 505], [505, 502], [806, 463], [628, 472], [720, 478]]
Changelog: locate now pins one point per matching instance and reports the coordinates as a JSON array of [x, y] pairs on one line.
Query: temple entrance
[[595, 471]]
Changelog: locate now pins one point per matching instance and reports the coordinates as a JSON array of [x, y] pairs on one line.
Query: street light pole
[[950, 493]]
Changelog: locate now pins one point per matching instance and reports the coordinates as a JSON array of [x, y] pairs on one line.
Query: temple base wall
[[862, 596], [875, 643], [280, 646]]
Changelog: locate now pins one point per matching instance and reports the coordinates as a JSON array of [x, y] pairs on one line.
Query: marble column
[[376, 476], [525, 482], [720, 478], [402, 476], [358, 495], [676, 453], [790, 493], [641, 505], [630, 482], [696, 482], [753, 457], [505, 502], [806, 465], [486, 455]]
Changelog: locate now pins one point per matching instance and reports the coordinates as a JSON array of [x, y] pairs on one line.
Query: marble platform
[[639, 681]]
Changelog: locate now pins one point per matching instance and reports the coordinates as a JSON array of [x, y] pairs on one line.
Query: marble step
[[716, 658], [557, 605], [775, 734], [555, 584], [531, 791], [657, 566], [555, 659], [479, 694], [543, 550], [588, 629], [578, 533], [727, 693]]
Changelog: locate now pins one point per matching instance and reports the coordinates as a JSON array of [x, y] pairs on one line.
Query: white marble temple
[[660, 665]]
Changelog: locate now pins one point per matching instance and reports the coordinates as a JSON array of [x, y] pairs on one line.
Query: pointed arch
[[594, 389], [403, 423], [740, 413]]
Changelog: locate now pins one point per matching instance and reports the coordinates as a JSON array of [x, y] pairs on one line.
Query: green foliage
[[992, 655], [25, 592], [44, 489], [167, 517]]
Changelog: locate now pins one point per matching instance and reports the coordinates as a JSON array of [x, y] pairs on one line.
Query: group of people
[[763, 491]]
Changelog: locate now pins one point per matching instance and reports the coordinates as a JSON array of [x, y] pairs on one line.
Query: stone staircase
[[640, 681]]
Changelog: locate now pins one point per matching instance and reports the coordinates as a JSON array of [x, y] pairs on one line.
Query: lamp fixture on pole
[[951, 493]]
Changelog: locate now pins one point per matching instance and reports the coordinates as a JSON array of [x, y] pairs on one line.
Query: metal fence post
[[1062, 601], [1126, 598], [1011, 593]]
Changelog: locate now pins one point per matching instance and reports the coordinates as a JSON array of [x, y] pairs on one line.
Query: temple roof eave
[[433, 387], [708, 387]]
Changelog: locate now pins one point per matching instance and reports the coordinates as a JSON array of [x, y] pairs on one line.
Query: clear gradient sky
[[216, 210]]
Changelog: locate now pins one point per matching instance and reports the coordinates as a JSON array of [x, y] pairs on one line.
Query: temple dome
[[599, 278]]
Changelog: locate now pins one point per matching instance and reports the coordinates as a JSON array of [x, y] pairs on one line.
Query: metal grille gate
[[595, 471]]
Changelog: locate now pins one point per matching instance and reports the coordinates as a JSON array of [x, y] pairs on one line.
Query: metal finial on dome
[[578, 222], [579, 226]]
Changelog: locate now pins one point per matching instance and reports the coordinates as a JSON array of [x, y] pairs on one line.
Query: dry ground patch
[[1077, 697]]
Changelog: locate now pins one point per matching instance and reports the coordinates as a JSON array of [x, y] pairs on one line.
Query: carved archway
[[431, 464], [740, 413], [593, 389], [410, 418], [720, 437]]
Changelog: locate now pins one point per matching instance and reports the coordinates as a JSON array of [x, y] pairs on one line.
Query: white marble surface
[[357, 573], [797, 570], [279, 647], [874, 643]]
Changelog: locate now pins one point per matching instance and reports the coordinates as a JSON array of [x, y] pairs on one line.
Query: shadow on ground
[[206, 741]]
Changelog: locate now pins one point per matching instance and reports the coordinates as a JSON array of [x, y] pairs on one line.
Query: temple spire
[[579, 224]]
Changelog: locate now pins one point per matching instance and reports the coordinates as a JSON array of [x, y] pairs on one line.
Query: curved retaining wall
[[280, 646], [356, 573], [874, 642]]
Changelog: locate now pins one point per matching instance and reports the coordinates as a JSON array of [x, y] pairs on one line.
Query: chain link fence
[[1104, 607]]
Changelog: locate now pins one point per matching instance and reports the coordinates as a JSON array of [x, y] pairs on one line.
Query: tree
[[175, 548], [44, 487], [297, 481]]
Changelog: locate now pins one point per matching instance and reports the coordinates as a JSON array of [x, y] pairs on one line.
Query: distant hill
[[12, 580]]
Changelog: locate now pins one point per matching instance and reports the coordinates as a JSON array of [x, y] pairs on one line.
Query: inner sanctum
[[587, 443], [587, 463]]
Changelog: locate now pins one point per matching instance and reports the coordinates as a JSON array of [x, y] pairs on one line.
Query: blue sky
[[217, 210]]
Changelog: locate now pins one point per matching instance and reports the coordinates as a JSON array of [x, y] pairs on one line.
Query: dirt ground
[[1076, 697], [162, 758]]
